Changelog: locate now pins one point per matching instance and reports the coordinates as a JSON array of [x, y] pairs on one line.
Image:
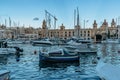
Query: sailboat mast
[[5, 23], [74, 18], [9, 22], [77, 17]]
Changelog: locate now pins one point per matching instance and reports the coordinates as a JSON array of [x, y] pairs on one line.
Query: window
[[73, 33], [88, 34]]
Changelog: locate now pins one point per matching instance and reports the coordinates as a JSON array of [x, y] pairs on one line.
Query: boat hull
[[40, 43], [58, 59]]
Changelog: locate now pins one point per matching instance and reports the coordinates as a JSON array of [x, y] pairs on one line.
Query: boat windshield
[[65, 51]]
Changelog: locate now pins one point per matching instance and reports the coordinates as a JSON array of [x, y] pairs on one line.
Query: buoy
[[35, 52]]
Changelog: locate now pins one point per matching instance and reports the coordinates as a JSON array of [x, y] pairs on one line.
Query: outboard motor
[[18, 49]]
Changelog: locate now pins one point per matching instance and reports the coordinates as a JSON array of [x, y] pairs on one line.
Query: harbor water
[[28, 67]]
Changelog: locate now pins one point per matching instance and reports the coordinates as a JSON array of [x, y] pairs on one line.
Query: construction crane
[[48, 19]]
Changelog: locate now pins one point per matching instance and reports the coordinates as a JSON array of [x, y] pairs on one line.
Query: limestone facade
[[89, 33], [104, 31]]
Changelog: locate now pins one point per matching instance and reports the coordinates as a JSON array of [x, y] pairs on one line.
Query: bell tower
[[44, 31], [105, 23], [44, 26], [113, 23], [94, 30], [94, 25]]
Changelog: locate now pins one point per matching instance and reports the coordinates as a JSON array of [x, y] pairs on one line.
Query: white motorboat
[[41, 43], [15, 41], [110, 41], [4, 75], [81, 49], [108, 71], [73, 43], [4, 49]]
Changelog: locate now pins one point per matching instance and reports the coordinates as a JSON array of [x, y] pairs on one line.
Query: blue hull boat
[[59, 59], [60, 55]]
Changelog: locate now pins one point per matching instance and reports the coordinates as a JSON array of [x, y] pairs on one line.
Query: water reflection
[[109, 52]]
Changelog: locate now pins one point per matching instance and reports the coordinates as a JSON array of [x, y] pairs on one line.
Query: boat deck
[[88, 51]]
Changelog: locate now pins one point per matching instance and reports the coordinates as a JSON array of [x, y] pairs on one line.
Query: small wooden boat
[[4, 75], [58, 55]]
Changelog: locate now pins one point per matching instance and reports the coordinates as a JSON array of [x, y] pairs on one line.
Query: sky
[[22, 12]]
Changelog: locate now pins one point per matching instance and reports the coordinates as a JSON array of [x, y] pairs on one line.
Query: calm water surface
[[28, 66]]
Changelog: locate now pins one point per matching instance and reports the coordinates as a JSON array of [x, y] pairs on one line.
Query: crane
[[48, 21]]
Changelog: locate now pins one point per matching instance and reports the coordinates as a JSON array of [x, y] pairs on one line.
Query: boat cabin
[[3, 44]]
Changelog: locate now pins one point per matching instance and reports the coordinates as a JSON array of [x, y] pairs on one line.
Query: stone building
[[61, 33], [106, 31], [118, 26], [95, 33]]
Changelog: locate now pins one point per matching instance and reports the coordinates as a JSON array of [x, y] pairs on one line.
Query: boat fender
[[98, 58], [35, 52]]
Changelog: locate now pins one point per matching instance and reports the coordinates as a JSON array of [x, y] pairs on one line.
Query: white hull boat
[[4, 75], [41, 43], [108, 71]]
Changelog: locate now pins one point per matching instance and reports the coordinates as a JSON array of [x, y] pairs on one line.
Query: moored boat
[[4, 75], [42, 42], [60, 55], [107, 71], [4, 48], [110, 41], [82, 49]]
